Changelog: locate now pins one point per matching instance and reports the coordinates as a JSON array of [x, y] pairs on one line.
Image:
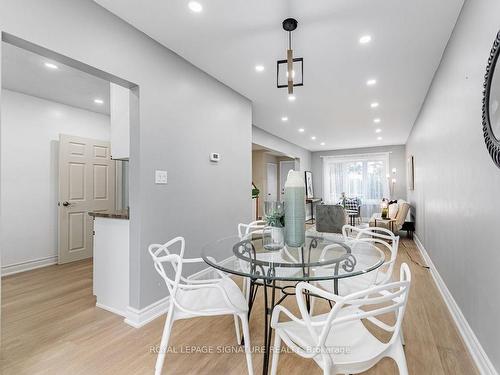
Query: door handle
[[66, 204]]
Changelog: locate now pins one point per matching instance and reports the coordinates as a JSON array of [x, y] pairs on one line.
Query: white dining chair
[[191, 298], [247, 231], [379, 237], [350, 232], [255, 227], [338, 341]]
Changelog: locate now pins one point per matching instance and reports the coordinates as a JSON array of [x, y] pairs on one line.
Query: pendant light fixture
[[290, 72]]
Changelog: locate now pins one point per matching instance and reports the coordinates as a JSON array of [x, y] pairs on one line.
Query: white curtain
[[363, 176]]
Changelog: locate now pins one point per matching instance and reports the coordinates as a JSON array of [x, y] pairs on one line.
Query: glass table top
[[320, 258]]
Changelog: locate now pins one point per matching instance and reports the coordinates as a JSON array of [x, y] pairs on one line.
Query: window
[[362, 176]]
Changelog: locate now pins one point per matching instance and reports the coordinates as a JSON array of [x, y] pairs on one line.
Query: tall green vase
[[295, 210]]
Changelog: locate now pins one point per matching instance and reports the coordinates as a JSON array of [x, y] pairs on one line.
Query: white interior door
[[285, 167], [86, 183], [272, 182]]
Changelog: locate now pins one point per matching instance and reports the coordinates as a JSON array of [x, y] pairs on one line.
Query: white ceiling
[[229, 37], [25, 72]]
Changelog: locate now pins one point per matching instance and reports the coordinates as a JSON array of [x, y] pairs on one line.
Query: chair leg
[[167, 329], [246, 293], [237, 327], [246, 337], [276, 353], [399, 357], [311, 306]]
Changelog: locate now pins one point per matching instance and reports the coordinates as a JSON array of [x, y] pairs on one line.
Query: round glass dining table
[[321, 257]]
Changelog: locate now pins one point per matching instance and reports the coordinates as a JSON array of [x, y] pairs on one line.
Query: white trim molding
[[476, 351], [29, 265], [111, 309], [140, 317]]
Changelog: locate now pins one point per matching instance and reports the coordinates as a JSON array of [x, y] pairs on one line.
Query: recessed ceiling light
[[322, 143], [195, 6], [378, 130], [379, 138], [365, 39], [301, 130], [259, 68], [313, 138], [51, 66], [284, 118], [374, 105], [371, 82], [376, 120], [98, 101], [291, 98]]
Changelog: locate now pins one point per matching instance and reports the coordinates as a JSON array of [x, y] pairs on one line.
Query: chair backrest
[[330, 218], [162, 256], [379, 236], [350, 231], [353, 204], [244, 230], [380, 300], [180, 287]]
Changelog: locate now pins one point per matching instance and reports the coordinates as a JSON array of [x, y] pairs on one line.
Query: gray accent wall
[[184, 115], [457, 186], [397, 159]]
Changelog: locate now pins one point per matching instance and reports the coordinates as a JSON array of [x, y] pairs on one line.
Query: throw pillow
[[351, 204]]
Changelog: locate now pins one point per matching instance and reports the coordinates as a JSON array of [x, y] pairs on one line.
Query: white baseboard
[[140, 317], [28, 265], [477, 352], [111, 309]]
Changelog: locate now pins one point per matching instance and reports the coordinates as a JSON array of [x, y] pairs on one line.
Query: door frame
[[267, 179]]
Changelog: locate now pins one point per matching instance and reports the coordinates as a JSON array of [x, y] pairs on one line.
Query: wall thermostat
[[214, 156]]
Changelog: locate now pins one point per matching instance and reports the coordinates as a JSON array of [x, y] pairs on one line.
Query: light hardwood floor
[[50, 325]]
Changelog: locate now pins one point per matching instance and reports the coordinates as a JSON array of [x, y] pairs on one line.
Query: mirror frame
[[492, 142]]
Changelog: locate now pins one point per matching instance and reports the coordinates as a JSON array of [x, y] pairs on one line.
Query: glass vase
[[273, 238]]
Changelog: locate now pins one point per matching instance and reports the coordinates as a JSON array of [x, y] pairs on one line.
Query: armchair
[[395, 223], [330, 218]]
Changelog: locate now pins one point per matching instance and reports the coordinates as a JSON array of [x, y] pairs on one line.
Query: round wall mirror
[[491, 103]]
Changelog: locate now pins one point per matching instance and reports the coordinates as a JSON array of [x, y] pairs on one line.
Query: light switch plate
[[161, 177]]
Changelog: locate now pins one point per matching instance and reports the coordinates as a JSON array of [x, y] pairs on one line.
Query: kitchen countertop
[[116, 214]]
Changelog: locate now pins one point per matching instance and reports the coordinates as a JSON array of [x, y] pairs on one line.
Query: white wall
[[184, 115], [29, 170], [272, 142], [457, 186]]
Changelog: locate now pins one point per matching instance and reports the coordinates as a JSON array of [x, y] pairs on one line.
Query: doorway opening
[[57, 162], [269, 171]]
